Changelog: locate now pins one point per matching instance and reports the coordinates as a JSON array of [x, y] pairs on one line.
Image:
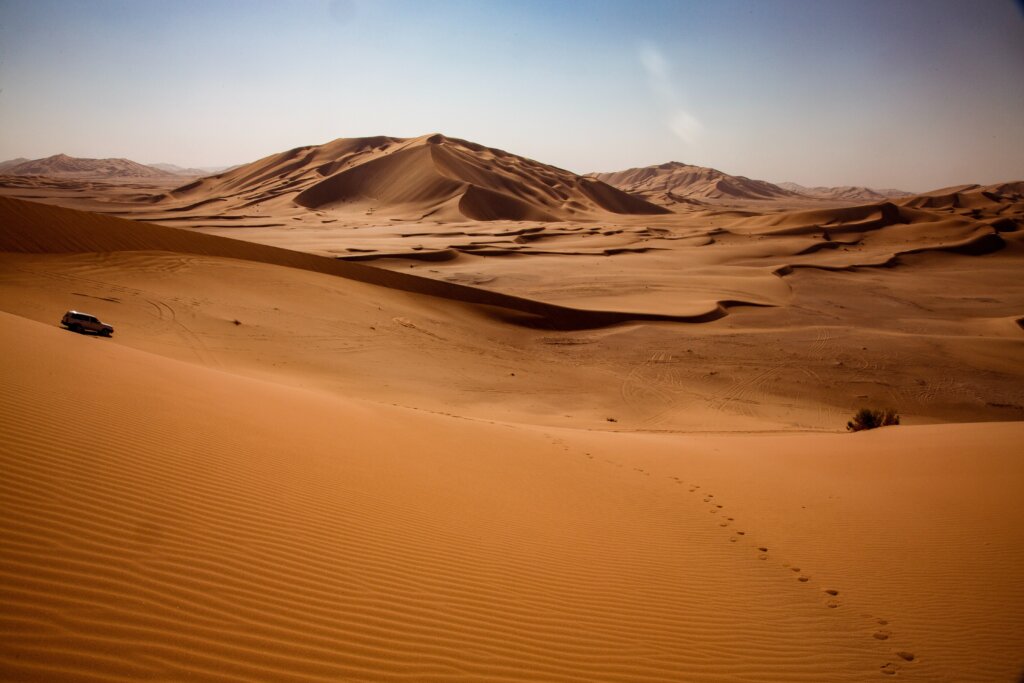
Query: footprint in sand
[[741, 533], [889, 669], [801, 579], [906, 656], [882, 635], [831, 591], [831, 604]]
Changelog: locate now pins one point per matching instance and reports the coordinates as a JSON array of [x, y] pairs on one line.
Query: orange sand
[[566, 464]]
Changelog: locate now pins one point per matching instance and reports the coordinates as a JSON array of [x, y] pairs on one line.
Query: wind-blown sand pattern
[[528, 440]]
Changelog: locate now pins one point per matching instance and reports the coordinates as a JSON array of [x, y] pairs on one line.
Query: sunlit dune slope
[[164, 520], [227, 527]]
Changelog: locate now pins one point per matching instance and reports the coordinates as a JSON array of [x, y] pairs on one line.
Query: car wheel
[[75, 328]]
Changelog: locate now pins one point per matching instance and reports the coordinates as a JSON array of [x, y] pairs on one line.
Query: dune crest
[[37, 228]]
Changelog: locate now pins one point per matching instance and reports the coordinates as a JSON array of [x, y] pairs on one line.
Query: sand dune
[[428, 177], [970, 197], [167, 520], [604, 449], [760, 282], [68, 230], [676, 183]]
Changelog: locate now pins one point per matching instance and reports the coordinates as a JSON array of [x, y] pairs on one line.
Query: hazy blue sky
[[914, 94]]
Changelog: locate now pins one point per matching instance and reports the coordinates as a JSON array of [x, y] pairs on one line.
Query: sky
[[909, 94]]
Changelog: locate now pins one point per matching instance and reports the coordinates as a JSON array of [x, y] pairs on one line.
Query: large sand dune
[[430, 177], [604, 449]]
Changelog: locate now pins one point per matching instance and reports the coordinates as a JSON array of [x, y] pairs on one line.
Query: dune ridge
[[32, 227]]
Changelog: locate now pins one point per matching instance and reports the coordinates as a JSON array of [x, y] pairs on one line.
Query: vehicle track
[[166, 313]]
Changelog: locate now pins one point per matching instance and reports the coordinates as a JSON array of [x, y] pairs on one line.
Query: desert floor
[[367, 447]]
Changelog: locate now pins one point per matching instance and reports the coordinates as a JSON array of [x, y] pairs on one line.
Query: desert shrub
[[868, 418]]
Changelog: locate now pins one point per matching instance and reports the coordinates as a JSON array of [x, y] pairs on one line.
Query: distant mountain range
[[202, 171], [675, 184], [11, 163], [64, 166], [847, 192]]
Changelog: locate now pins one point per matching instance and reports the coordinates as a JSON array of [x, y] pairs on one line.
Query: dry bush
[[868, 418]]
